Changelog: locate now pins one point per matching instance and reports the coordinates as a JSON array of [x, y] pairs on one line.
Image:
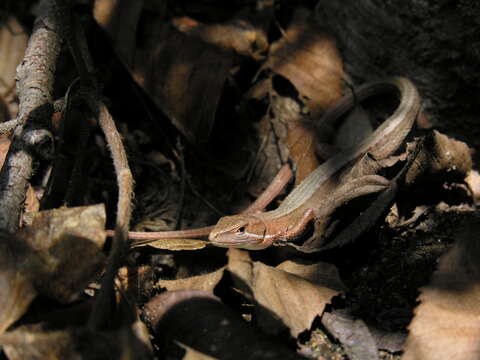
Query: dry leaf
[[317, 273], [240, 266], [24, 344], [290, 136], [4, 146], [353, 334], [119, 18], [57, 257], [273, 152], [287, 135], [237, 35], [31, 201], [176, 244], [310, 60], [31, 343], [440, 154], [185, 78], [4, 113], [199, 320], [301, 143], [447, 321], [473, 181], [138, 281], [292, 300], [205, 282], [388, 340], [66, 250], [17, 289], [192, 354], [13, 41]]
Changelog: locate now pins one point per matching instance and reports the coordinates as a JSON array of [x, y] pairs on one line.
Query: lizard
[[288, 222], [280, 180]]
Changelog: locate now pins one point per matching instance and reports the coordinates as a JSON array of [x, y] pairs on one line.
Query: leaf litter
[[245, 102]]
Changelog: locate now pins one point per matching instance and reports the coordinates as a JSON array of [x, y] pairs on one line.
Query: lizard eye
[[241, 229]]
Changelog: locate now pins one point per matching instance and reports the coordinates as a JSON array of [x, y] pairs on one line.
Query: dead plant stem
[[102, 309]]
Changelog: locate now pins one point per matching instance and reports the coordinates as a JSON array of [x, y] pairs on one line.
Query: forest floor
[[211, 100]]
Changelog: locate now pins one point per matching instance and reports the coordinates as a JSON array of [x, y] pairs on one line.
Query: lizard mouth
[[250, 244], [230, 243]]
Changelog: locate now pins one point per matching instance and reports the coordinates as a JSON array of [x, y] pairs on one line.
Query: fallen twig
[[77, 44], [183, 175], [8, 126], [31, 140]]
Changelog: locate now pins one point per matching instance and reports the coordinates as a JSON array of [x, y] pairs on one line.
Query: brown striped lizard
[[140, 238], [260, 230]]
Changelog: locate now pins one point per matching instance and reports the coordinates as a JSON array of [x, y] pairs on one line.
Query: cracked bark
[[31, 138]]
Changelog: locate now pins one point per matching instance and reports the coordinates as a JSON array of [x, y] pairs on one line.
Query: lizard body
[[303, 204]]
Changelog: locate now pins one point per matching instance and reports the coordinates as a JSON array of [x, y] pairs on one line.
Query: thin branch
[[183, 176], [102, 308], [35, 77], [120, 163], [78, 47], [8, 126]]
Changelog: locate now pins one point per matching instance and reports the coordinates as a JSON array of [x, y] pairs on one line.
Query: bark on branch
[[31, 139]]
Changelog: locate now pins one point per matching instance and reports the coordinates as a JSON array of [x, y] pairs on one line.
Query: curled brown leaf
[[185, 78], [119, 19], [57, 256], [64, 250], [440, 154], [13, 41], [291, 295], [237, 35], [205, 282], [31, 342], [447, 321], [309, 59]]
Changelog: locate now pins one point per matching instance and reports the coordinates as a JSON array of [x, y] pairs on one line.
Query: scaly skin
[[256, 232], [278, 183]]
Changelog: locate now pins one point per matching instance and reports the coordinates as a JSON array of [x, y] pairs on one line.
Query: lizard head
[[241, 231]]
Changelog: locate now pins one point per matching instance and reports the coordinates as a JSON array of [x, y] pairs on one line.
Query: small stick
[[35, 78], [183, 175], [77, 43], [124, 210], [8, 126], [277, 184]]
